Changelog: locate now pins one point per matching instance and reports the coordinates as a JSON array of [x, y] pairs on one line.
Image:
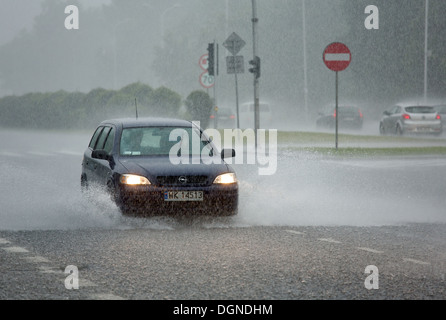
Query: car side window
[[394, 110], [94, 139], [102, 137], [108, 146]]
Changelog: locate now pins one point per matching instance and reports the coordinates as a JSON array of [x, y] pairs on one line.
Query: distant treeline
[[76, 110]]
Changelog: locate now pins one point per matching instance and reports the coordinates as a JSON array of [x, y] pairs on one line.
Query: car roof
[[412, 104], [148, 122], [415, 106], [229, 110], [342, 106]]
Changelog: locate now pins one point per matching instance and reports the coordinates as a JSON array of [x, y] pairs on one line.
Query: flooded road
[[307, 232]]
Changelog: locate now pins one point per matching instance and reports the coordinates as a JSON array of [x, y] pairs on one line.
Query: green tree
[[199, 106], [139, 91], [164, 102]]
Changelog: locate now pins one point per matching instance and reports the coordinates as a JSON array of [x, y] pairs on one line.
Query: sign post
[[206, 80], [337, 57], [235, 64]]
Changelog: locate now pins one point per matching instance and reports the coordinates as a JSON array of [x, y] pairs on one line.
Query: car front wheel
[[382, 131]]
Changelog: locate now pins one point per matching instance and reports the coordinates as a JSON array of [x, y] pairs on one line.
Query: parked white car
[[247, 118]]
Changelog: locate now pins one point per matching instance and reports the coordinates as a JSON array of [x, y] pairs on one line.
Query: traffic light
[[255, 67], [211, 59]]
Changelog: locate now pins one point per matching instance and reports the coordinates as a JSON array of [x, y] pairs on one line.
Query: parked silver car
[[402, 119], [441, 110]]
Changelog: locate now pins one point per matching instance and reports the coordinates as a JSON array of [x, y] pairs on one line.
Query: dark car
[[224, 118], [413, 119], [350, 117], [160, 166]]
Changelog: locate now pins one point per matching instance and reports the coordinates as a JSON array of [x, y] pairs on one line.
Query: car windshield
[[441, 109], [348, 109], [420, 109], [225, 112], [156, 141]]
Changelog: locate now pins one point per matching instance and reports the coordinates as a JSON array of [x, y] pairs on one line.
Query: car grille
[[182, 180]]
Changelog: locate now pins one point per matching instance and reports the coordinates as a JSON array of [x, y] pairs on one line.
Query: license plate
[[183, 196]]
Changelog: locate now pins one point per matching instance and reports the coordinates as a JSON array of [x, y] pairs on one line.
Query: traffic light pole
[[337, 110], [213, 72], [215, 84], [236, 100], [255, 20]]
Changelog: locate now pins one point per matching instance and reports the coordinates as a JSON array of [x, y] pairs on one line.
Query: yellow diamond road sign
[[234, 43]]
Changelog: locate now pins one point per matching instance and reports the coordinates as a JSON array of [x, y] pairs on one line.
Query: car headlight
[[226, 178], [134, 180]]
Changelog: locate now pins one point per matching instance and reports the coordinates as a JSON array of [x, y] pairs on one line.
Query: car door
[[95, 164], [88, 164], [388, 119], [103, 168], [395, 117]]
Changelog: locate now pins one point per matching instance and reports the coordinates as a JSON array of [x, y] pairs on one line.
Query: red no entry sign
[[337, 56]]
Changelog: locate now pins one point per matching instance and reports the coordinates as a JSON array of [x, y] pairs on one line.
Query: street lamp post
[[426, 53], [304, 45], [255, 21]]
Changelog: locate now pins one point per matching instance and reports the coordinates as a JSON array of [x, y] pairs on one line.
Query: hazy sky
[[16, 15]]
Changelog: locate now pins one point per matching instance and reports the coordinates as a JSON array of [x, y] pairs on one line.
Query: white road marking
[[295, 232], [10, 154], [46, 269], [37, 259], [105, 296], [369, 250], [4, 241], [86, 283], [329, 240], [53, 270], [15, 249], [416, 261], [70, 153], [83, 282]]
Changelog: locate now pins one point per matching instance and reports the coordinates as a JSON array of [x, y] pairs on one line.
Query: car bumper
[[352, 124], [218, 200], [423, 128]]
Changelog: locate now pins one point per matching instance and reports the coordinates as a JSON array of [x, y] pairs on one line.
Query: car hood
[[151, 167]]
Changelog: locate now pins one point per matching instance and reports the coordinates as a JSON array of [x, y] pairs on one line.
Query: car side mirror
[[101, 155], [227, 153], [206, 140]]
